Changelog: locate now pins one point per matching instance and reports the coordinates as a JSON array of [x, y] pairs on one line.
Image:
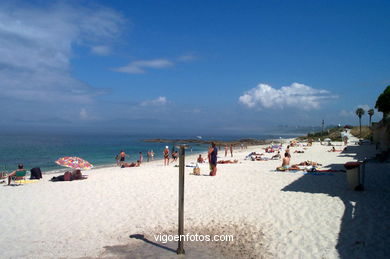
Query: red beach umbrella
[[74, 162]]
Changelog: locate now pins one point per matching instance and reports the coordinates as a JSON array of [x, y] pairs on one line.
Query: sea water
[[100, 150]]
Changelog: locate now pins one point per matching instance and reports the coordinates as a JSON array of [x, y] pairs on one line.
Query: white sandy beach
[[271, 214]]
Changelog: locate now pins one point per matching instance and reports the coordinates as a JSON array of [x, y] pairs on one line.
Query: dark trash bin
[[354, 175]]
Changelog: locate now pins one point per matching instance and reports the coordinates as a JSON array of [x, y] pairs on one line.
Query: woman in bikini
[[166, 155]]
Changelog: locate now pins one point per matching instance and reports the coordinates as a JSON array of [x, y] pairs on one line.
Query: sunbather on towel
[[227, 161], [286, 163], [334, 150], [308, 163], [250, 155], [69, 176], [277, 156], [259, 158], [131, 164]]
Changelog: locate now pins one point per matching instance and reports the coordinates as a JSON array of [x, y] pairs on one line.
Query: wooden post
[[180, 248]]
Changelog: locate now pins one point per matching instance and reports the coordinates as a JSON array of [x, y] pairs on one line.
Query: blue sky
[[196, 67]]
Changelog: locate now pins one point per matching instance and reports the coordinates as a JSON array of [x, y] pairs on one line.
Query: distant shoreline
[[248, 141]]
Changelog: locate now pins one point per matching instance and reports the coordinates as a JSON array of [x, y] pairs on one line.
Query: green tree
[[360, 113], [370, 113], [383, 102]]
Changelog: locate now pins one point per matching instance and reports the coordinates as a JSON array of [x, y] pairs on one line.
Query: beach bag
[[36, 173]]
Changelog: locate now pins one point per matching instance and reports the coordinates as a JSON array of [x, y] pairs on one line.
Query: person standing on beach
[[141, 157], [118, 159], [166, 155], [345, 137], [213, 152], [226, 150], [122, 156], [231, 150], [148, 156], [152, 154]]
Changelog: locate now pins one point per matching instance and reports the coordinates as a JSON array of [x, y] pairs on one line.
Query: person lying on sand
[[250, 155], [308, 162], [299, 151], [334, 150], [227, 161], [69, 176], [131, 164], [277, 156], [259, 158]]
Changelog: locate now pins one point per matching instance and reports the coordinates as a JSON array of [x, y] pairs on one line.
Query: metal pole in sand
[[180, 248]]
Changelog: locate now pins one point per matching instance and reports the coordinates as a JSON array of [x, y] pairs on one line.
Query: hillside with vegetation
[[366, 132], [334, 134]]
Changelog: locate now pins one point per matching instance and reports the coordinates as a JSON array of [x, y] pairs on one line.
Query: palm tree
[[370, 113], [360, 113]]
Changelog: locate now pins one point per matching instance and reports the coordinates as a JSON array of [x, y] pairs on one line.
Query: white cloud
[[36, 48], [296, 95], [365, 107], [139, 66], [101, 50], [345, 113], [186, 58], [161, 100]]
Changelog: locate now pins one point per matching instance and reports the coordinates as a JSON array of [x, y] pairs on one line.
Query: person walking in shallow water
[[226, 150]]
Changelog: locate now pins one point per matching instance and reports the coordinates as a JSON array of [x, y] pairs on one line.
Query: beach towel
[[25, 181], [317, 173], [289, 171]]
